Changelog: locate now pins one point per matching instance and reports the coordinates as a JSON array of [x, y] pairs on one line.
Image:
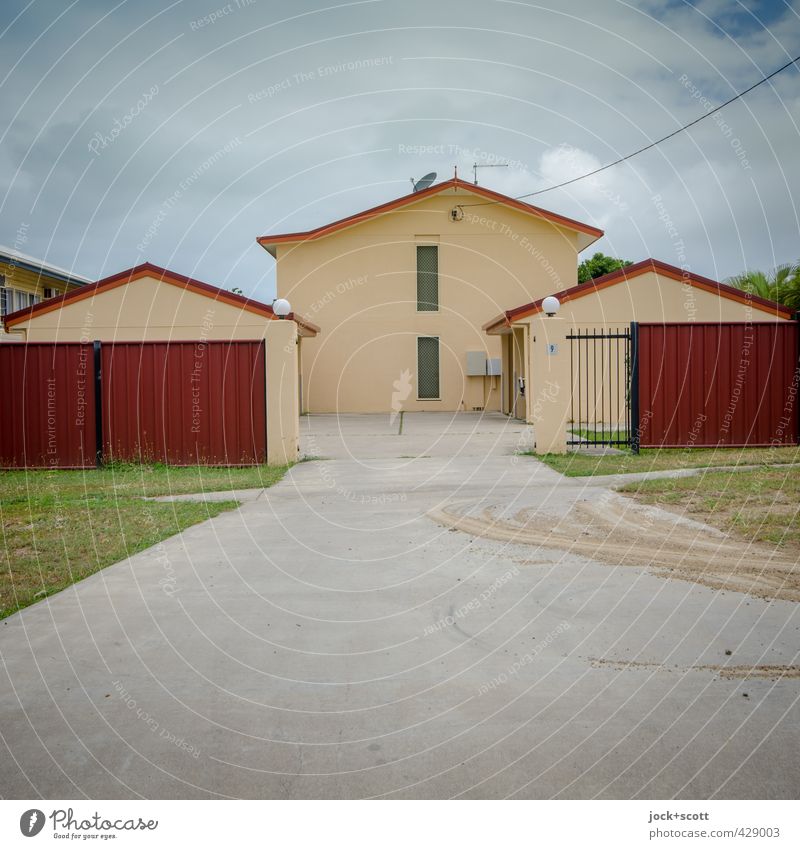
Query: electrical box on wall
[[476, 363], [494, 367]]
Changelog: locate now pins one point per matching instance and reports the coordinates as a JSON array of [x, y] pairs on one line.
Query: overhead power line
[[655, 143]]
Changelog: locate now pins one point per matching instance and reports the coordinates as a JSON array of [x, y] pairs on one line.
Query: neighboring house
[[26, 281], [403, 290], [146, 303], [648, 291]]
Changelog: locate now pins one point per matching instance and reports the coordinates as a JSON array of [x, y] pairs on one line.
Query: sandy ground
[[616, 530]]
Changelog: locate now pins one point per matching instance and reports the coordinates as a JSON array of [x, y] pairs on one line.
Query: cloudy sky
[[178, 133]]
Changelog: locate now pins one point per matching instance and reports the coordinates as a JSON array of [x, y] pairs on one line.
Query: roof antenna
[[493, 165]]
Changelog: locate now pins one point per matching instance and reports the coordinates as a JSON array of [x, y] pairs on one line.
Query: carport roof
[[502, 322], [589, 234], [147, 269]]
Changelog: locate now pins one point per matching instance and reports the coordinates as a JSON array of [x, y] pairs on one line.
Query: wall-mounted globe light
[[281, 307], [551, 305]]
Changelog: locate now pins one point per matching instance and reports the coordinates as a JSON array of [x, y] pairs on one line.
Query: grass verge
[[762, 505], [58, 527], [579, 463]]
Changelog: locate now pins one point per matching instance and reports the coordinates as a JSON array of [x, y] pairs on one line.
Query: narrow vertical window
[[428, 367], [427, 278]]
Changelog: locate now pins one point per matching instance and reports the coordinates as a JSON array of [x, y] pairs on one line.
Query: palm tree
[[781, 285]]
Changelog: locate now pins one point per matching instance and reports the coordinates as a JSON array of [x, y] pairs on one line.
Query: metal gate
[[601, 376], [73, 405], [705, 384]]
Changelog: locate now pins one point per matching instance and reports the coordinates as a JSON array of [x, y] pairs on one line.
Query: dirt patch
[[764, 671], [618, 531]]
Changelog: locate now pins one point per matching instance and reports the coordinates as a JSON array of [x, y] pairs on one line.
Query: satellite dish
[[425, 182]]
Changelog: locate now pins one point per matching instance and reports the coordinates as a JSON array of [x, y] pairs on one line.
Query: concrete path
[[328, 639]]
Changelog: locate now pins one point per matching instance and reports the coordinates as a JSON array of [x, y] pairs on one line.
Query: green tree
[[781, 285], [599, 265]]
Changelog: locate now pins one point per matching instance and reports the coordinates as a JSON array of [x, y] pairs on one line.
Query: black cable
[[652, 144]]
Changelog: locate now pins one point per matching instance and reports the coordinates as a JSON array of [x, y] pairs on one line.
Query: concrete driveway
[[329, 639]]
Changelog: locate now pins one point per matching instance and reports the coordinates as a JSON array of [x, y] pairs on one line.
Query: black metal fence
[[601, 375]]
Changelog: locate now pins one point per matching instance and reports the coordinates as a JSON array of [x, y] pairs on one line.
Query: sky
[[177, 133]]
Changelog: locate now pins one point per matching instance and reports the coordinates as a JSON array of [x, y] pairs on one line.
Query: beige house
[[146, 303], [537, 347], [402, 292], [26, 281]]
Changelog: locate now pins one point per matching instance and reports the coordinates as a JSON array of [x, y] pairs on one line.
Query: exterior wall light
[[281, 307], [551, 305]]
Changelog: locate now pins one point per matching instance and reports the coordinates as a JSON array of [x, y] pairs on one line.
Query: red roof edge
[[148, 269], [628, 273], [375, 211]]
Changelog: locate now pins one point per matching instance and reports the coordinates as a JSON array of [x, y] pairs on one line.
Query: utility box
[[494, 367], [476, 363]]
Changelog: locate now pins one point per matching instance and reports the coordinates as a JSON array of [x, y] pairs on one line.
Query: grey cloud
[[326, 106]]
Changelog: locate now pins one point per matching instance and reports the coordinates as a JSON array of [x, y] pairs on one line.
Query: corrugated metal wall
[[704, 384], [184, 402], [47, 412], [180, 403]]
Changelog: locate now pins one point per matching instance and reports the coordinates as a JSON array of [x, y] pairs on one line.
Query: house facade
[[543, 349], [146, 303], [26, 281], [402, 292]]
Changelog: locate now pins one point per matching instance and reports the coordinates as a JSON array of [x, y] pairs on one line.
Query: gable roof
[[146, 269], [37, 266], [269, 243], [507, 318]]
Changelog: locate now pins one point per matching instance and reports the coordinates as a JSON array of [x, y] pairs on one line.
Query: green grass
[[61, 526], [579, 463], [591, 434], [760, 505]]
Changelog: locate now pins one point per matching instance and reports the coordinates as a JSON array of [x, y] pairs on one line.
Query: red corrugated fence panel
[[47, 417], [184, 402], [703, 384]]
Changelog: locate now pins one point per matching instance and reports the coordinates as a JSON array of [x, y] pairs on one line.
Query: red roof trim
[[628, 273], [147, 269], [562, 220]]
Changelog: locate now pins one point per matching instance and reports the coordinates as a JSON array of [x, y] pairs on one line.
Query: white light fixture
[[281, 307], [551, 305]]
